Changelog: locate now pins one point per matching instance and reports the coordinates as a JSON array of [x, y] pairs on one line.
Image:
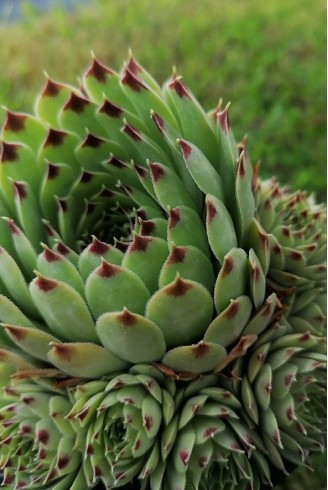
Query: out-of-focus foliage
[[266, 57]]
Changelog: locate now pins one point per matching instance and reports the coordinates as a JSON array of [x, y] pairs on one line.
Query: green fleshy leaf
[[33, 341], [244, 195], [101, 81], [263, 317], [227, 327], [186, 228], [220, 228], [232, 279], [93, 150], [191, 117], [199, 358], [190, 263], [56, 266], [56, 182], [228, 154], [182, 310], [15, 283], [144, 99], [59, 147], [111, 288], [145, 257], [51, 100], [10, 313], [131, 337], [28, 212], [257, 280], [201, 170], [24, 249], [23, 127], [90, 257], [71, 357], [63, 309], [258, 240], [169, 189], [183, 448], [79, 113], [17, 163], [151, 416]]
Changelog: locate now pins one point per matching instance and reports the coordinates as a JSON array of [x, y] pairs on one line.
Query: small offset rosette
[[204, 433], [119, 425], [36, 439], [296, 228], [282, 390]]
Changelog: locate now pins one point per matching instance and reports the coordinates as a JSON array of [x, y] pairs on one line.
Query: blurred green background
[[266, 57]]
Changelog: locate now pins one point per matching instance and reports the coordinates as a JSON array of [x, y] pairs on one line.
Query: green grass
[[268, 58]]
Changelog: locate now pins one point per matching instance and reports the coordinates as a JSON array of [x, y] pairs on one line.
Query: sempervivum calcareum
[[174, 299]]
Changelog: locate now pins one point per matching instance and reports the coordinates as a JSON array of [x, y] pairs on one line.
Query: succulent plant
[[155, 295]]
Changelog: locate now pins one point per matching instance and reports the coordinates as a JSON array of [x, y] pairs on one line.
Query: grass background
[[267, 57]]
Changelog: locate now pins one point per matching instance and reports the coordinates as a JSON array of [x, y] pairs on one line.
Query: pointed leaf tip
[[185, 148]]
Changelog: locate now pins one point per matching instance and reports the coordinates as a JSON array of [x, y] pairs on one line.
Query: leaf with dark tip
[[23, 127], [144, 147], [28, 212], [57, 181], [59, 147], [227, 327], [79, 113], [201, 170], [33, 341], [169, 189], [24, 249], [71, 358], [244, 195], [90, 257], [63, 309], [93, 150], [145, 257], [10, 313], [130, 336], [101, 82], [186, 228], [191, 118], [15, 283], [183, 448], [258, 239], [238, 351], [190, 263], [17, 163], [198, 358], [263, 317], [257, 280], [51, 100], [232, 279], [220, 228], [56, 266], [111, 288], [145, 99], [182, 310]]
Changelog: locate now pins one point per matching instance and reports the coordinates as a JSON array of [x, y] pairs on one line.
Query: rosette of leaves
[[175, 272], [149, 429], [282, 386], [297, 232], [135, 231], [36, 440]]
